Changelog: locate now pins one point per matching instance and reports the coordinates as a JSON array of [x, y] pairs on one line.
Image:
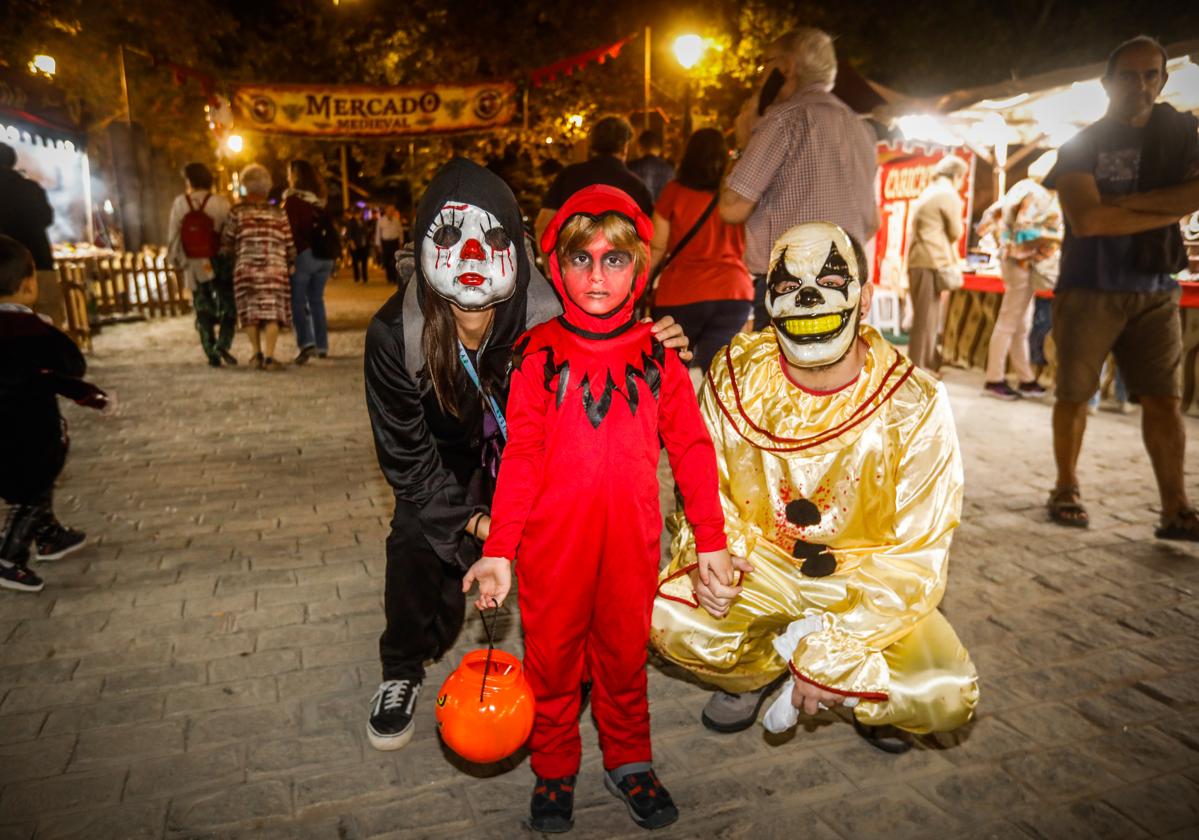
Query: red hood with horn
[[596, 201]]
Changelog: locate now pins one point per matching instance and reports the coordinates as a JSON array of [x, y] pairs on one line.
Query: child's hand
[[494, 575], [716, 563], [717, 594], [671, 335]]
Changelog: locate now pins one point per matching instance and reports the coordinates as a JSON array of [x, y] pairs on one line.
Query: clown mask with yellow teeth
[[814, 293]]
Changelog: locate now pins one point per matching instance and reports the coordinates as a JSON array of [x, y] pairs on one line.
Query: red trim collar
[[860, 414]]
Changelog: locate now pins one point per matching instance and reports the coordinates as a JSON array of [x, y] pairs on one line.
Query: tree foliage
[[919, 47]]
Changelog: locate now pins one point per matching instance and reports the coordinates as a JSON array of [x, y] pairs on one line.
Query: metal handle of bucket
[[490, 643]]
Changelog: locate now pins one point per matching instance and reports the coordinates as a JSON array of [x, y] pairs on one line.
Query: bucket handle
[[490, 643]]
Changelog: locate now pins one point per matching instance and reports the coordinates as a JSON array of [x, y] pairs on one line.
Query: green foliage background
[[918, 47]]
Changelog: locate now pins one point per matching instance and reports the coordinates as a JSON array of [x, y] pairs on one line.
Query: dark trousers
[[710, 325], [29, 487], [423, 600], [30, 471], [390, 247], [761, 316], [359, 259], [216, 312]]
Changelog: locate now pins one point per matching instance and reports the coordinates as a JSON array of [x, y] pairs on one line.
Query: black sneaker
[[214, 361], [392, 714], [55, 542], [304, 355], [19, 578], [552, 808], [648, 802], [1032, 389], [1001, 391], [228, 358]]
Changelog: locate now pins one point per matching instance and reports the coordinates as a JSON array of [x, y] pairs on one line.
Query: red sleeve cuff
[[710, 540]]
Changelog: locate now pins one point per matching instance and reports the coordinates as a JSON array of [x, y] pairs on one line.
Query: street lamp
[[688, 50], [44, 65]]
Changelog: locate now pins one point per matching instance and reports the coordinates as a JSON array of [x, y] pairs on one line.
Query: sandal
[[1066, 509], [1183, 525]]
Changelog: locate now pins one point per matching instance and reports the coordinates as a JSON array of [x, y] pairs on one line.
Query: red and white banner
[[903, 172]]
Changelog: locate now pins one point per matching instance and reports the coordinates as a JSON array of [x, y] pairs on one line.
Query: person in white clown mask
[[841, 484], [437, 364]]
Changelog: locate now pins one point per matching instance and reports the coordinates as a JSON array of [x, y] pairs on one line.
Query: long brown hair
[[704, 161], [440, 344], [307, 178]]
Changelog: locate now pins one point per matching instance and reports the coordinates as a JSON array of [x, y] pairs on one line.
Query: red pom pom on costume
[[492, 729]]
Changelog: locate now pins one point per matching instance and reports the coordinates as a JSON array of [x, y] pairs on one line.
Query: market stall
[[1006, 126]]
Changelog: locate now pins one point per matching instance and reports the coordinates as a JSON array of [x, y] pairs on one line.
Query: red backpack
[[198, 231]]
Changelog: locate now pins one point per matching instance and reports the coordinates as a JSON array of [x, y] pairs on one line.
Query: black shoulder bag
[[651, 287]]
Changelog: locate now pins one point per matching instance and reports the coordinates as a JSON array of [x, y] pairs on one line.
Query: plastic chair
[[885, 311]]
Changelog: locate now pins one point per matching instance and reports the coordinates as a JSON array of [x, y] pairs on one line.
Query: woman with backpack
[[317, 246]]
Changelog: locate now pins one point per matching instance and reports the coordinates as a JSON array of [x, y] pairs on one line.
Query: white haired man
[[806, 156]]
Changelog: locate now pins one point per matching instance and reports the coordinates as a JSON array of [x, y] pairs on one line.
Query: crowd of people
[[833, 592], [519, 397]]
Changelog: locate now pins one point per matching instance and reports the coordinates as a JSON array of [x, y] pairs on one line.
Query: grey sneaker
[[734, 712]]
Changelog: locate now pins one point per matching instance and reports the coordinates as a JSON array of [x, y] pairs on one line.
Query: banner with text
[[903, 173], [361, 111]]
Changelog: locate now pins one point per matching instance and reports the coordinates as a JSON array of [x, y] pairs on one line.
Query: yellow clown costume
[[862, 488]]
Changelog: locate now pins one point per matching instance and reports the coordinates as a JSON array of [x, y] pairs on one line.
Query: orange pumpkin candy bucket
[[485, 707]]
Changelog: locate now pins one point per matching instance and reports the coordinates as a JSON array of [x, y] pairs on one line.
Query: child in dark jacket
[[37, 363]]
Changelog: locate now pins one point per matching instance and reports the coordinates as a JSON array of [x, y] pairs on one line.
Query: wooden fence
[[122, 286]]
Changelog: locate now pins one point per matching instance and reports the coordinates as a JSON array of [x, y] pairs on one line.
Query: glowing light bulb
[[235, 143], [689, 49]]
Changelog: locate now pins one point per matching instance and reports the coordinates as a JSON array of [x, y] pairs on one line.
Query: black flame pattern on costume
[[597, 408]]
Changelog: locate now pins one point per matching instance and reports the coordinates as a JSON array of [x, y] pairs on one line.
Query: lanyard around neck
[[474, 377]]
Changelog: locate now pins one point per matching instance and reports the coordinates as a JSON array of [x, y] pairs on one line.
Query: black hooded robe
[[432, 460]]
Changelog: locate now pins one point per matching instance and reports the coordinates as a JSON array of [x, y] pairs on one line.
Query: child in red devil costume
[[576, 504]]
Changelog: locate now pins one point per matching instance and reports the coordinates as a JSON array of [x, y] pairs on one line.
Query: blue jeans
[[308, 300]]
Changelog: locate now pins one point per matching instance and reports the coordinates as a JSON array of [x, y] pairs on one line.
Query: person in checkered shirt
[[807, 156]]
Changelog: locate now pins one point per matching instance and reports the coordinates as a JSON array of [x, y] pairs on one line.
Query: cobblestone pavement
[[203, 667]]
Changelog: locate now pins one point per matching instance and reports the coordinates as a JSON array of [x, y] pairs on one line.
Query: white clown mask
[[813, 293], [468, 258]]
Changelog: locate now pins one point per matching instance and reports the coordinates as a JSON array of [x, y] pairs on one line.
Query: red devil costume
[[577, 504]]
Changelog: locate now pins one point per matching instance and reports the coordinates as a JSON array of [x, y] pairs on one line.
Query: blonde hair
[[815, 58], [580, 230], [256, 178]]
